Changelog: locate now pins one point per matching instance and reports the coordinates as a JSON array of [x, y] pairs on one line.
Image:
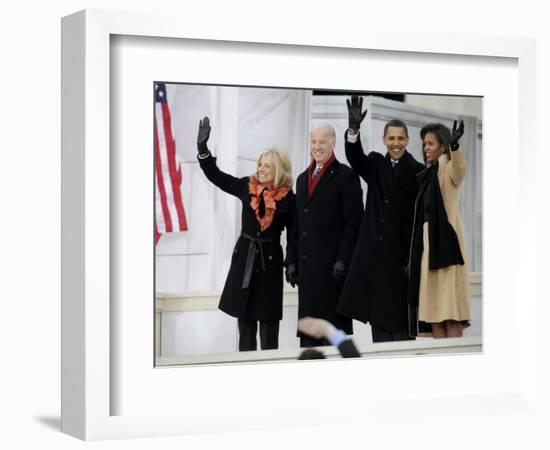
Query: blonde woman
[[253, 291], [439, 288]]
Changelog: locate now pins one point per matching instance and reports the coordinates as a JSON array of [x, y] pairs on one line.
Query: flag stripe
[[165, 172], [175, 172], [157, 234], [163, 216]]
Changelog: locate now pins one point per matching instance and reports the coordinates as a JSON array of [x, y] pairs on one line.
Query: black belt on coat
[[255, 246]]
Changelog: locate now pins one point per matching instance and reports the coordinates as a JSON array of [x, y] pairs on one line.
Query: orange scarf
[[270, 195]]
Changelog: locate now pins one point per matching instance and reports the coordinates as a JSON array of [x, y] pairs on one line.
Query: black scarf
[[444, 246]]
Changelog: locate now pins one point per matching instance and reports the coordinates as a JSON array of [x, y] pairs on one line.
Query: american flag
[[169, 211]]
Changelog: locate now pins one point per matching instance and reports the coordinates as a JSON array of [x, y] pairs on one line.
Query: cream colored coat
[[445, 293]]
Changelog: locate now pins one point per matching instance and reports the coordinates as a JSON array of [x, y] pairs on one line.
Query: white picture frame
[[93, 407]]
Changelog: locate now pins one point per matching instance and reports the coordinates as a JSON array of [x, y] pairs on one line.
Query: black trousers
[[269, 335], [383, 335]]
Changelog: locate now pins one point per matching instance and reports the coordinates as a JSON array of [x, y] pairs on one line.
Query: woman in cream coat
[[439, 289]]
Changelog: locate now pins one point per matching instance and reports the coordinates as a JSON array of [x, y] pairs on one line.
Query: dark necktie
[[393, 170]]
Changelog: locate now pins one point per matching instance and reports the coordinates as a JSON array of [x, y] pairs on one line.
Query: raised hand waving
[[355, 113]]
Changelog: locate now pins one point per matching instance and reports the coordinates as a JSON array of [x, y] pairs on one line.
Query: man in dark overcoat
[[328, 213], [376, 284]]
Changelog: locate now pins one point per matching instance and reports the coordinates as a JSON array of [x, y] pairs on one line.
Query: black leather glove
[[339, 271], [457, 133], [202, 138], [291, 275], [355, 115]]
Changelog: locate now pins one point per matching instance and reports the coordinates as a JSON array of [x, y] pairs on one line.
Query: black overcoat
[[326, 230], [262, 299], [376, 285]]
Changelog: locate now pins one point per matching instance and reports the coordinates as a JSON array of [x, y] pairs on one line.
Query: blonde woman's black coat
[[262, 299]]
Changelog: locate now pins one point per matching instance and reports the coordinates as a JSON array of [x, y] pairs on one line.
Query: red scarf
[[312, 182], [270, 195]]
